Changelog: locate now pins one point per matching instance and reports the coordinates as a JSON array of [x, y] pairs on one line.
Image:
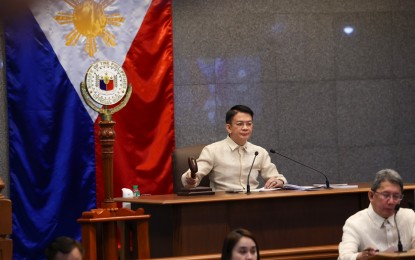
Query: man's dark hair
[[387, 175], [64, 245], [235, 109]]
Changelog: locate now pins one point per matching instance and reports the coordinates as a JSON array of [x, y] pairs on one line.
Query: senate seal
[[106, 82]]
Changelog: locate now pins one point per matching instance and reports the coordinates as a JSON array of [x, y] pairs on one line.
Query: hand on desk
[[273, 183], [367, 253]]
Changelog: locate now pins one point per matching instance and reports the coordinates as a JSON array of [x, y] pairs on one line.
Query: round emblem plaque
[[106, 82]]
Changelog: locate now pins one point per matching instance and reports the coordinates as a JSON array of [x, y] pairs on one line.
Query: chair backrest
[[180, 164]]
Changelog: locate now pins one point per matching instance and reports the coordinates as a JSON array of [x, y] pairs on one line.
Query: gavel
[[192, 166]]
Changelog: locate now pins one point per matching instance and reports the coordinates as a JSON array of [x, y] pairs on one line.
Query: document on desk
[[299, 187], [263, 189], [338, 185]]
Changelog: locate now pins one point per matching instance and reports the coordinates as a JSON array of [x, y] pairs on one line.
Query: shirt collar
[[378, 220], [234, 146]]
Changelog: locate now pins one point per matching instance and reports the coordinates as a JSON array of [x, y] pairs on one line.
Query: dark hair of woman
[[63, 245], [232, 239]]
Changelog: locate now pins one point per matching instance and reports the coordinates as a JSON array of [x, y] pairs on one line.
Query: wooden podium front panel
[[293, 222], [202, 228], [182, 225]]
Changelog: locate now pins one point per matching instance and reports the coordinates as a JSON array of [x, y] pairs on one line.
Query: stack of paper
[[263, 189], [298, 187], [338, 186]]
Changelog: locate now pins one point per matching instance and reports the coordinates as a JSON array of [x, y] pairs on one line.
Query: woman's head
[[240, 244], [64, 248]]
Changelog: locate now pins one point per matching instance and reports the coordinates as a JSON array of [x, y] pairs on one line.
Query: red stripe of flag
[[145, 126]]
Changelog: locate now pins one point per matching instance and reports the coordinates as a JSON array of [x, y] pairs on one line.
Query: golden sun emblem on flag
[[90, 21]]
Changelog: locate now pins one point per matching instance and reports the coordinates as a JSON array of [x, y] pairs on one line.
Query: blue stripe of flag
[[52, 156]]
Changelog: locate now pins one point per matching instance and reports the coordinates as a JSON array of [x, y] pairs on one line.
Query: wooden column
[[107, 138], [100, 226]]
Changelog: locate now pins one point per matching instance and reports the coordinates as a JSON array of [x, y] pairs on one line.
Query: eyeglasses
[[242, 123], [387, 196]]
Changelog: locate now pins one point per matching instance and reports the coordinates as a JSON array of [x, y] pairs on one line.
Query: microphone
[[400, 248], [327, 180], [248, 187]]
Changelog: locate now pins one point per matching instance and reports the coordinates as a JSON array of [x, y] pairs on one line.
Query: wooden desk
[[395, 256], [329, 252], [279, 219]]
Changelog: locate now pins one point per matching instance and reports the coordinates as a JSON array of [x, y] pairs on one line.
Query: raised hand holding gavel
[[193, 167]]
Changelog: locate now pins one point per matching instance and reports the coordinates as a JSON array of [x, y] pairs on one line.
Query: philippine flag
[[55, 154]]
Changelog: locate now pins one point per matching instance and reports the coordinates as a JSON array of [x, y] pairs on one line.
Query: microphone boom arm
[[327, 180]]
